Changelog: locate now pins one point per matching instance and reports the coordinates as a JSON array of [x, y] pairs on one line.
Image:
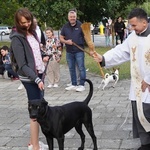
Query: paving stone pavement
[[112, 126]]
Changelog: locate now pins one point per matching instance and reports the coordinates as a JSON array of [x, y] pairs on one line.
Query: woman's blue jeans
[[74, 59], [33, 91], [10, 70]]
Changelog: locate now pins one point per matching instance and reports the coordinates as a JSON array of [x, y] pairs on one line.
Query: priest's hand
[[97, 57], [145, 85]]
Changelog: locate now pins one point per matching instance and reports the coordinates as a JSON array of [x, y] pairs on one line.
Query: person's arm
[[115, 56], [144, 86], [20, 56], [43, 41], [115, 28], [62, 40], [124, 25]]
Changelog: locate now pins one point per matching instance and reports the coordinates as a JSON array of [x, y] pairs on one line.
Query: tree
[[59, 9], [7, 12], [54, 12], [115, 8], [146, 6]]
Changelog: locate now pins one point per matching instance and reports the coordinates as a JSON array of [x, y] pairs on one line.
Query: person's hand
[[58, 60], [45, 59], [145, 85], [41, 86], [69, 42], [41, 45], [97, 57]]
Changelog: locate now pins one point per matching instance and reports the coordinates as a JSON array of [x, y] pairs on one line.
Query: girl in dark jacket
[[26, 49]]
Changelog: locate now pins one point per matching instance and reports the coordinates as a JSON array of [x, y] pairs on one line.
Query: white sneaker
[[43, 146], [30, 147], [50, 86], [69, 84], [87, 69], [72, 87], [80, 88], [20, 87], [55, 85]]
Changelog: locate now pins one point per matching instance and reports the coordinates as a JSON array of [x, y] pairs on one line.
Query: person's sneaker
[[55, 85], [30, 147], [50, 86], [87, 69], [144, 147], [15, 78], [20, 87], [43, 146], [72, 87], [80, 88], [69, 84]]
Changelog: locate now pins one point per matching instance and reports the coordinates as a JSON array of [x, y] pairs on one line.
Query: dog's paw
[[80, 148]]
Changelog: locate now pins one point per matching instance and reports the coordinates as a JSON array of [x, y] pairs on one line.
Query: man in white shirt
[[136, 49]]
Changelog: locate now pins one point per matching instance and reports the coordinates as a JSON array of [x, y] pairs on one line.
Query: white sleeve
[[117, 55]]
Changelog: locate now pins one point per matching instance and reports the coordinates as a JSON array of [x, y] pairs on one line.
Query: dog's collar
[[45, 111]]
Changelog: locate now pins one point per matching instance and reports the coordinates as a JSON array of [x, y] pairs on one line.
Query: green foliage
[[146, 7], [54, 12], [4, 43], [59, 9], [7, 9], [92, 11], [115, 8]]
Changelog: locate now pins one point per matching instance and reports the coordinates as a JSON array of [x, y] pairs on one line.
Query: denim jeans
[[10, 70], [107, 40], [33, 91], [74, 59]]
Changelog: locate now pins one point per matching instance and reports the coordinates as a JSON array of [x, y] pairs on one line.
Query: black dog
[[58, 120]]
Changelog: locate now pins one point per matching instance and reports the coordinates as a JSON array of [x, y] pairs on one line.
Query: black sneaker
[[144, 147]]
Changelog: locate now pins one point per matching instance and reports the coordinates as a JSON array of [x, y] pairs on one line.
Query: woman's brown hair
[[24, 12]]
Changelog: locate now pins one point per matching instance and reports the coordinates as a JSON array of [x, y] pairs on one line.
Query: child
[[54, 50], [107, 34]]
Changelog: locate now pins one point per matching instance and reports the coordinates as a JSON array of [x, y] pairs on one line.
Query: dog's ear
[[44, 101]]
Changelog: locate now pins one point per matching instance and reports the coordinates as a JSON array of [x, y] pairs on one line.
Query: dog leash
[[44, 73]]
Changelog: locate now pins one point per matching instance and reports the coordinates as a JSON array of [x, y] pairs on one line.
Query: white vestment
[[135, 49]]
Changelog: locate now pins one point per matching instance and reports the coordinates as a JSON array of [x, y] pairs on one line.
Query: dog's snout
[[33, 116]]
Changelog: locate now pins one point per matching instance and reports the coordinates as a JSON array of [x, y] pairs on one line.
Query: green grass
[[92, 65], [4, 43]]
